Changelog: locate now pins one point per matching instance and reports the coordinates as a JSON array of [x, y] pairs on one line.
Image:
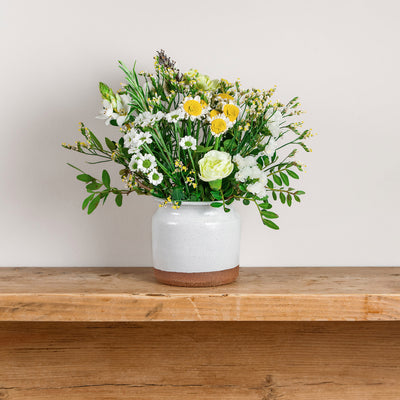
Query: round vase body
[[195, 245]]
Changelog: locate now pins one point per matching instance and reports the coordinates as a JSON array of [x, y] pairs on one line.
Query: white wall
[[341, 57]]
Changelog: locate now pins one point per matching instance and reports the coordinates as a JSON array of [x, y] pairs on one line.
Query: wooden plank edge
[[162, 307]]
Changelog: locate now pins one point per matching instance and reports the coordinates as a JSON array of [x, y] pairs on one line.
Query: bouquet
[[187, 137]]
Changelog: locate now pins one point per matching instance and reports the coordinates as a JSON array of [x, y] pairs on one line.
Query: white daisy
[[144, 137], [130, 137], [155, 177], [143, 119], [147, 118], [219, 124], [175, 116], [194, 108], [134, 163], [188, 142], [146, 163]]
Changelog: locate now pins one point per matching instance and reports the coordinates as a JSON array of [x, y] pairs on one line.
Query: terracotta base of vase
[[197, 279]]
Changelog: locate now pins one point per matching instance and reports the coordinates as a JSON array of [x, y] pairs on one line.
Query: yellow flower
[[219, 125], [193, 107], [231, 111], [225, 96], [203, 103], [214, 113]]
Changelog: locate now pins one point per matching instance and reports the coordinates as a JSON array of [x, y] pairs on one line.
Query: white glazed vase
[[195, 245]]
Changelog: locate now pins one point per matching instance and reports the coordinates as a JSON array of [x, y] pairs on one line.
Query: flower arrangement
[[187, 137]]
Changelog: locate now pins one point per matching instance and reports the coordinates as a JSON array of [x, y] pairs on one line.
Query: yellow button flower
[[219, 125], [214, 113], [225, 96], [193, 107], [231, 111]]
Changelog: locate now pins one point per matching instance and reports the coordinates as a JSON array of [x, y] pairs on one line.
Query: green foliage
[[150, 113]]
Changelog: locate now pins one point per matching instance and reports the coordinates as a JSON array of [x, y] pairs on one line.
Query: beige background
[[341, 57]]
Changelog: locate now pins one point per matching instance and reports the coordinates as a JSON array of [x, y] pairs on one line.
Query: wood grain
[[200, 360], [260, 294]]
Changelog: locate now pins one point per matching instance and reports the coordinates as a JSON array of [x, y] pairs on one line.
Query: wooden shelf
[[260, 294]]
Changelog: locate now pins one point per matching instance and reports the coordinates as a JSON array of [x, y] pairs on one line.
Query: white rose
[[215, 165]]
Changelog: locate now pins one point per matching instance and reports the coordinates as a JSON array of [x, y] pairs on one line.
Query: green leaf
[[297, 198], [118, 199], [300, 192], [274, 196], [94, 140], [93, 204], [106, 179], [105, 197], [270, 184], [292, 174], [269, 214], [226, 209], [230, 201], [202, 149], [289, 199], [284, 178], [84, 178], [216, 205], [216, 195], [282, 197], [270, 224], [93, 186], [277, 180], [265, 206], [246, 202], [110, 144], [177, 194], [86, 201]]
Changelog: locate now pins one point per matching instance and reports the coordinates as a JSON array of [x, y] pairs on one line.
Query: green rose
[[214, 166], [205, 83]]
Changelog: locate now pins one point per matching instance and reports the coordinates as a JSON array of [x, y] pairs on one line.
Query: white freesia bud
[[215, 165]]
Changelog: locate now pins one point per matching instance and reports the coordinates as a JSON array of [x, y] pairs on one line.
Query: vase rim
[[190, 203]]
